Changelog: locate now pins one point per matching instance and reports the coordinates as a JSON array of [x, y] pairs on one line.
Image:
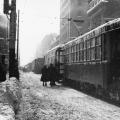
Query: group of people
[[49, 74]]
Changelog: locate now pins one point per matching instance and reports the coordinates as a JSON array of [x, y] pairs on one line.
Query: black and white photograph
[[59, 59]]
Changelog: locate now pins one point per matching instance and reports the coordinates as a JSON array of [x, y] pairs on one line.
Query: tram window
[[77, 47], [88, 54], [92, 53], [80, 45], [93, 42], [72, 48], [68, 58], [72, 57], [69, 50], [80, 56], [98, 40], [88, 43], [84, 44], [98, 52], [66, 52], [77, 57], [84, 55]]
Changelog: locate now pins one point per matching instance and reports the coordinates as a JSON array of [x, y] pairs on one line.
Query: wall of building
[[103, 12], [73, 11], [79, 10]]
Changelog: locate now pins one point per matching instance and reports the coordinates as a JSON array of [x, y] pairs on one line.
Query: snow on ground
[[9, 98], [60, 103]]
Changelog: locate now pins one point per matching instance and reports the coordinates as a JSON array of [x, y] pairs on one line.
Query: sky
[[37, 19]]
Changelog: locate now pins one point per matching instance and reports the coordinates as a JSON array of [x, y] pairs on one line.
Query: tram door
[[115, 55], [60, 63]]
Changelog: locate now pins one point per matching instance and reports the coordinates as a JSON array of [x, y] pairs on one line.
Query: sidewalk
[[9, 99]]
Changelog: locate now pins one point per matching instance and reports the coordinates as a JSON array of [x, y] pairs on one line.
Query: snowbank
[[10, 96]]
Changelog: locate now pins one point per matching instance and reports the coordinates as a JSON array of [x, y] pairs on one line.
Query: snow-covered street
[[60, 103]]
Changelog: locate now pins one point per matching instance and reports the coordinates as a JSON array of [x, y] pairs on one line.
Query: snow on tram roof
[[94, 30], [60, 45]]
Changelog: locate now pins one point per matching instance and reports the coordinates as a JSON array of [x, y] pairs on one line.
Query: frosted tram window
[[84, 55], [81, 55], [77, 47], [98, 52], [88, 43], [93, 42], [88, 54], [92, 53], [98, 40], [84, 44]]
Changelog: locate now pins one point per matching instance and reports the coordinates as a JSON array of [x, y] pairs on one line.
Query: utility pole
[[12, 39], [13, 63], [18, 46]]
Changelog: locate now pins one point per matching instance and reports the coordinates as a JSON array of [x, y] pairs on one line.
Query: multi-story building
[[102, 11], [73, 19], [80, 16]]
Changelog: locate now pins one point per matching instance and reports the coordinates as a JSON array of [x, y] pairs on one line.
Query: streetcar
[[92, 61]]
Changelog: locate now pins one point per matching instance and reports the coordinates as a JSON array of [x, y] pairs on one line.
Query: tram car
[[92, 61], [56, 58]]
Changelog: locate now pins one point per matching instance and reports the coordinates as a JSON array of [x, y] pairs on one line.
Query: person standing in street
[[52, 75], [44, 77]]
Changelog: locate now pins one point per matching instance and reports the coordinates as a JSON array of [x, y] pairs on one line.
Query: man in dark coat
[[44, 77], [52, 75]]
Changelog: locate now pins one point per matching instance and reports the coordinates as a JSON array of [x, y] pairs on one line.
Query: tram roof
[[58, 46], [97, 31]]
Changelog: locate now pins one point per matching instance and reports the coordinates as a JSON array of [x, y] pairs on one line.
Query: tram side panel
[[94, 72], [114, 82]]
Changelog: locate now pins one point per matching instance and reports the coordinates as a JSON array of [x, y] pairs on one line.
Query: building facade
[[80, 16], [73, 19], [102, 11]]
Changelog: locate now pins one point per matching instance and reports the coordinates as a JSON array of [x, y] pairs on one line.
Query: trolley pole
[[13, 62]]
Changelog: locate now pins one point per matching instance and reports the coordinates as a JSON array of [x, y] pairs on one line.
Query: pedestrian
[[52, 75], [3, 70], [56, 72], [44, 77]]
